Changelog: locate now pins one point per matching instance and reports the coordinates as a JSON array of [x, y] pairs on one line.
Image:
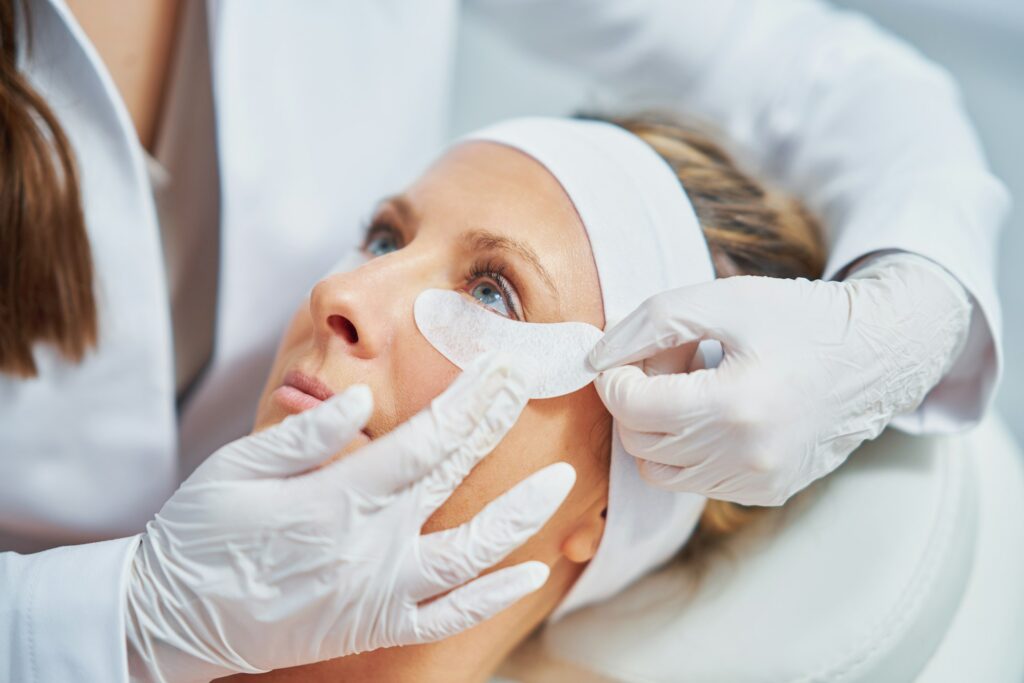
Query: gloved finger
[[484, 400], [478, 601], [653, 446], [454, 556], [684, 449], [501, 415], [704, 478], [663, 476], [299, 443], [661, 322], [468, 449], [662, 403], [709, 480]]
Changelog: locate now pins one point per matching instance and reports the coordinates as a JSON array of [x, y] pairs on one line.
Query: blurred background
[[981, 42]]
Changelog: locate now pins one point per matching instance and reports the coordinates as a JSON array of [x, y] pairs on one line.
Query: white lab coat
[[322, 109]]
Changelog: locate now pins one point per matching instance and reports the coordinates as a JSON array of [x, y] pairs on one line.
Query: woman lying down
[[537, 221]]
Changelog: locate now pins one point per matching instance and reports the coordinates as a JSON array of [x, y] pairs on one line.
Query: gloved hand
[[257, 562], [811, 370]]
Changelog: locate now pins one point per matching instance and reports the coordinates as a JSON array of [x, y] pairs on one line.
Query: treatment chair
[[907, 564]]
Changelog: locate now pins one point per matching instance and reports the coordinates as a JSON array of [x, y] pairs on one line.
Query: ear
[[581, 543]]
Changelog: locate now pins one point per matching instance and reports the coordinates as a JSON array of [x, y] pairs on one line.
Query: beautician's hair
[[751, 229], [46, 272]]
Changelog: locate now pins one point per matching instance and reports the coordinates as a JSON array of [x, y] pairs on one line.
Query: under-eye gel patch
[[552, 357]]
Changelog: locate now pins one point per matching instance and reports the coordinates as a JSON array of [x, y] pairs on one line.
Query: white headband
[[646, 239]]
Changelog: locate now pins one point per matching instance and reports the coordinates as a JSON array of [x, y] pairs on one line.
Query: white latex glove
[[258, 563], [811, 369]]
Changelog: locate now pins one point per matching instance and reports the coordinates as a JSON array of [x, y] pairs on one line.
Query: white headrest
[[857, 581]]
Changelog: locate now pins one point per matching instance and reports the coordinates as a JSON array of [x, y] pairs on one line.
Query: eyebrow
[[403, 207], [484, 240]]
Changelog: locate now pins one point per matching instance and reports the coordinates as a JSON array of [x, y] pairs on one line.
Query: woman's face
[[492, 223]]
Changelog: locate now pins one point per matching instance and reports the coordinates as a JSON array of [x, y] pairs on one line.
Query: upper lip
[[308, 385]]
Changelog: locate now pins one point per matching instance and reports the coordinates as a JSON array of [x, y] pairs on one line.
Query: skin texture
[[358, 327]]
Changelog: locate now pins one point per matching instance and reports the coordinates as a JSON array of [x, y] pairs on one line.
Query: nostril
[[344, 328]]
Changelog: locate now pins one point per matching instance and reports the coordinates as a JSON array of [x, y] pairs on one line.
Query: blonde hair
[[751, 229]]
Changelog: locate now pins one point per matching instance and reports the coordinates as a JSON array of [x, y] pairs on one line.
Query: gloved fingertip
[[597, 358], [487, 376], [546, 490], [355, 403], [611, 380], [489, 363], [558, 480], [531, 576], [615, 347], [661, 475]]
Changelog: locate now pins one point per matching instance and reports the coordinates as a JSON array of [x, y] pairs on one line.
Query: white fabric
[[646, 239], [983, 641], [921, 585], [183, 174], [845, 113], [62, 613]]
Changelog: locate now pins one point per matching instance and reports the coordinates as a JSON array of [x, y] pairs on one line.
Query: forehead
[[501, 184], [489, 186]]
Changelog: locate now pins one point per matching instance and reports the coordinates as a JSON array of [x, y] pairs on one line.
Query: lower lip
[[294, 400]]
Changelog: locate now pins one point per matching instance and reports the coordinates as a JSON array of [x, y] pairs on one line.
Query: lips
[[307, 385], [299, 392]]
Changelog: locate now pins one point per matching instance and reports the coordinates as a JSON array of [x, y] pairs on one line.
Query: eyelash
[[495, 271], [489, 269], [378, 226]]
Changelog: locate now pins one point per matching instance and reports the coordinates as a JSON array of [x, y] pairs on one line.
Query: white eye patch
[[551, 357]]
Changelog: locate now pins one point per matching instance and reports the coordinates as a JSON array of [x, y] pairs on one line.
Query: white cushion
[[859, 579], [984, 642]]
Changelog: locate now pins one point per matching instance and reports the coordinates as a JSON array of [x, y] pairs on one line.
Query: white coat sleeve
[[62, 613], [868, 132]]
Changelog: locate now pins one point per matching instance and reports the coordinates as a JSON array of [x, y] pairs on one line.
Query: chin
[[266, 418]]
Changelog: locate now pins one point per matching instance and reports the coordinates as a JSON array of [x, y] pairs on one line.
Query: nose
[[341, 307]]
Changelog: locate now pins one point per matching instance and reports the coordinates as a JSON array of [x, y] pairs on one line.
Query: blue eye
[[381, 240], [491, 296]]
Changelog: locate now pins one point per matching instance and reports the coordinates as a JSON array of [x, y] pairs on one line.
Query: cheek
[[296, 339], [568, 428], [418, 375]]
